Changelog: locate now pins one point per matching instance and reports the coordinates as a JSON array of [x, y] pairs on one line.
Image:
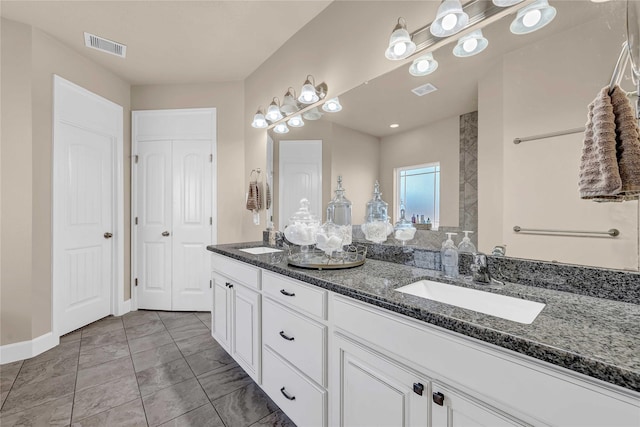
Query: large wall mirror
[[520, 86]]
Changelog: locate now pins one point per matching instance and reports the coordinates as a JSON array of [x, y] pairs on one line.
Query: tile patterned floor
[[146, 368]]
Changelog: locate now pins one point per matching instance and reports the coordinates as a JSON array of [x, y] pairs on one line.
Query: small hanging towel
[[599, 176], [627, 144], [253, 201], [267, 196]]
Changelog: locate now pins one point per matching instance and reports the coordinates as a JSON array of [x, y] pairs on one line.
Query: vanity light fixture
[[400, 44], [423, 65], [281, 128], [273, 112], [471, 44], [289, 103], [308, 94], [312, 114], [296, 121], [259, 122], [332, 105], [450, 19], [533, 17], [506, 3]]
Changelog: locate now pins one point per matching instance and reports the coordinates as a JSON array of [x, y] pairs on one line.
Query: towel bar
[[548, 135], [612, 232]]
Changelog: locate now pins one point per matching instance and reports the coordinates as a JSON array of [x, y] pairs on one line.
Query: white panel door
[[154, 202], [87, 131], [300, 167], [191, 230], [87, 216]]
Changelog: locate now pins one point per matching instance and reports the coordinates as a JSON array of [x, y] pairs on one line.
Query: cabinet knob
[[283, 335], [165, 233], [228, 285], [285, 394], [438, 398], [289, 294]]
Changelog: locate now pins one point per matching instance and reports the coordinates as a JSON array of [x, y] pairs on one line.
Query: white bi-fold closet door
[[173, 212]]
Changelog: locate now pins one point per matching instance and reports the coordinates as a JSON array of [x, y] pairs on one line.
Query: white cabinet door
[[375, 391], [246, 342], [153, 246], [451, 409], [220, 318], [191, 225]]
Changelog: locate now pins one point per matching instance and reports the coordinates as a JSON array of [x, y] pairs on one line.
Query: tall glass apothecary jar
[[339, 213], [376, 225]]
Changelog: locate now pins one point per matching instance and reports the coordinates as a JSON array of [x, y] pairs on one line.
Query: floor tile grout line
[[198, 380], [11, 388], [146, 418]]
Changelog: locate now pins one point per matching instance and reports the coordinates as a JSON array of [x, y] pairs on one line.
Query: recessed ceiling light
[[394, 125]]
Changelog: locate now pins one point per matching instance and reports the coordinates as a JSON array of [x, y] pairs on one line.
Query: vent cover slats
[[105, 45], [424, 89]]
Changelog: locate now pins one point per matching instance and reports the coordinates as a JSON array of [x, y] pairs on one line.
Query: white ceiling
[[172, 41]]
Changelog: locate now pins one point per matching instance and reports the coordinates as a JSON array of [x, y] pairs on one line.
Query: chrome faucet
[[480, 270]]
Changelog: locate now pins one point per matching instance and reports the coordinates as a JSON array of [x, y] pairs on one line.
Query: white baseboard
[[27, 349], [123, 308]]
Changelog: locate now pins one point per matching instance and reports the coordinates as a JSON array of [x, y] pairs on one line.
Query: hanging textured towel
[[253, 203], [627, 144], [599, 176], [267, 196]]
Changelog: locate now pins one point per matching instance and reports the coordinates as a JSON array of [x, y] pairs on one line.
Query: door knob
[[108, 235], [165, 233]]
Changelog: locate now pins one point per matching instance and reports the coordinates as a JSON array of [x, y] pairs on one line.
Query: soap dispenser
[[449, 256], [466, 246]]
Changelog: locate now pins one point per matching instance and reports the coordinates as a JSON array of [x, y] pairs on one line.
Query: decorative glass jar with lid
[[303, 226], [339, 213], [404, 230], [376, 225]]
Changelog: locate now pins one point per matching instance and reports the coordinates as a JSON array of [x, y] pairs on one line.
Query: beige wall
[[16, 179], [355, 156], [27, 281], [546, 87], [490, 159], [342, 46], [228, 99], [436, 142]]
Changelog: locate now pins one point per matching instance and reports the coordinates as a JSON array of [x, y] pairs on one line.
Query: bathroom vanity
[[344, 348]]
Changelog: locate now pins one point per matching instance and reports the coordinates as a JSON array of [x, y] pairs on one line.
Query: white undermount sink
[[515, 309], [260, 250]]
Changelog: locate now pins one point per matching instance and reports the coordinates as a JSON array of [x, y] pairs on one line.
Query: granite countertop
[[593, 336]]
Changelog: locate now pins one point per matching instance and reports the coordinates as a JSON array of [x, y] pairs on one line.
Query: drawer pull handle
[[285, 394], [283, 292], [283, 335], [438, 398]]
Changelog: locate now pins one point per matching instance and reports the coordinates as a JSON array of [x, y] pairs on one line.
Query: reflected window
[[419, 191]]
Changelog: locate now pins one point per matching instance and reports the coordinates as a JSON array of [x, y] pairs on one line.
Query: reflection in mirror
[[520, 86]]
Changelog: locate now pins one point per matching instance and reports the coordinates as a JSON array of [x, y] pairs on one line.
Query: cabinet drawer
[[293, 293], [302, 401], [297, 338], [238, 271]]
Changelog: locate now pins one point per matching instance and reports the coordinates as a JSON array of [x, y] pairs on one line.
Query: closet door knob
[[165, 233], [108, 235]]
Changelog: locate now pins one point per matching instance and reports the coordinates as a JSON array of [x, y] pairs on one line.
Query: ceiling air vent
[[108, 46], [424, 89]]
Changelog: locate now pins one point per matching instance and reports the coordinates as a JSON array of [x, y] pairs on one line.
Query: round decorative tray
[[354, 256]]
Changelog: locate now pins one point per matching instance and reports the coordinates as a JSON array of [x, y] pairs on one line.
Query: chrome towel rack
[[612, 232], [548, 135]]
